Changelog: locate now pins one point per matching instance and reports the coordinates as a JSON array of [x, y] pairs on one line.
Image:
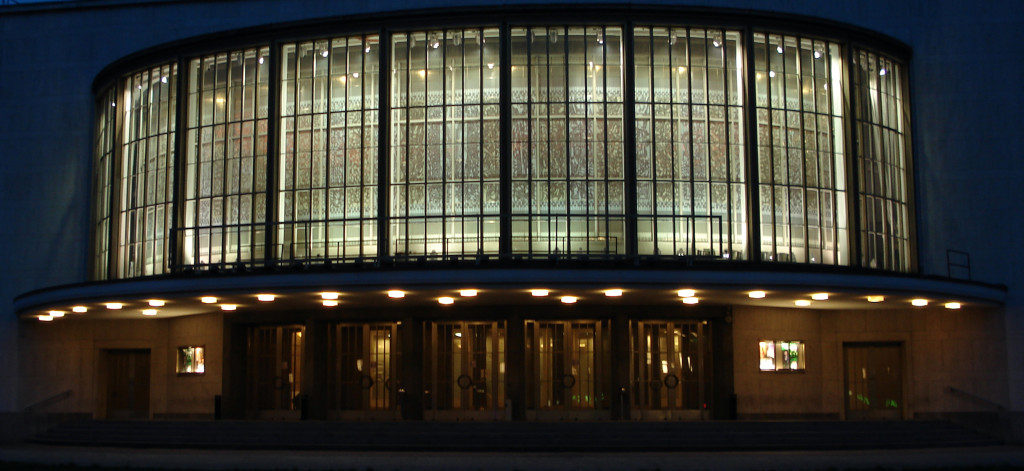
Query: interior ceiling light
[[79, 309], [919, 302], [613, 293], [952, 305], [569, 299], [114, 306], [208, 300], [446, 300], [802, 302], [149, 312], [56, 314], [328, 295], [330, 302], [468, 293], [690, 300], [396, 294], [228, 307], [157, 302], [757, 294], [875, 298], [539, 292], [820, 296], [266, 298], [46, 318], [687, 293]]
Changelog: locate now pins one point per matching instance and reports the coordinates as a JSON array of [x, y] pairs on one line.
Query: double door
[[669, 367], [567, 370], [275, 372], [364, 371], [464, 371]]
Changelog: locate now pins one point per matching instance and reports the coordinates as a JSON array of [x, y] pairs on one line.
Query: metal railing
[[47, 402], [960, 262], [975, 398], [255, 245]]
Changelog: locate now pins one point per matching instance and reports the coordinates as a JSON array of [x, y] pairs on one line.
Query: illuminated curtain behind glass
[[801, 165], [691, 198], [146, 169], [568, 173], [226, 159], [327, 173], [445, 143], [882, 162]]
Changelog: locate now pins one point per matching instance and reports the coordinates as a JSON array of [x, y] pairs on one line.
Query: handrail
[[48, 401], [974, 397]]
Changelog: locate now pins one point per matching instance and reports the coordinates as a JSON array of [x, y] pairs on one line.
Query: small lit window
[[191, 360], [781, 355]]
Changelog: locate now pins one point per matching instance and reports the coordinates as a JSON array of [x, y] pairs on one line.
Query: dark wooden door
[[874, 381], [128, 384]]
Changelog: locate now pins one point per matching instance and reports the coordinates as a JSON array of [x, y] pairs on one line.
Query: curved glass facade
[[591, 141]]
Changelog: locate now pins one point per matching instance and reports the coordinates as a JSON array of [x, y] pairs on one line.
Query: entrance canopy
[[176, 296]]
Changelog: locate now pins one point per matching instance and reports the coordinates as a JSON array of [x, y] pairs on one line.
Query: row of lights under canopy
[[332, 299]]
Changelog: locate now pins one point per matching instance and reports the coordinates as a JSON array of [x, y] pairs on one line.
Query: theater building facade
[[570, 212]]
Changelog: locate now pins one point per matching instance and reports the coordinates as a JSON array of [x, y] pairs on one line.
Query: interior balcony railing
[[233, 247]]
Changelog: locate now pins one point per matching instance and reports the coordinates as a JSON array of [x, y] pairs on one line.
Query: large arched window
[[882, 163], [102, 180]]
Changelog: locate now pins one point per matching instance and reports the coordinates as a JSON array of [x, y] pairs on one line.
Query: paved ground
[[383, 461]]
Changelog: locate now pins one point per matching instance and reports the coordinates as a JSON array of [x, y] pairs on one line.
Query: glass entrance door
[[275, 372], [465, 371], [363, 379], [669, 367], [567, 373], [874, 381]]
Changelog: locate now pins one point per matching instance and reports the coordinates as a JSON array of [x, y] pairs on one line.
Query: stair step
[[519, 436]]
